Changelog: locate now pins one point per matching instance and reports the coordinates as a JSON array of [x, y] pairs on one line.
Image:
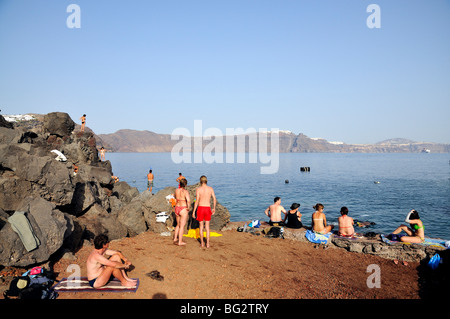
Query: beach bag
[[35, 286], [434, 261], [16, 286], [274, 232], [38, 291], [255, 223]]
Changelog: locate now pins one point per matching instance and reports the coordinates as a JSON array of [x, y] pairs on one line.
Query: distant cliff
[[146, 141]]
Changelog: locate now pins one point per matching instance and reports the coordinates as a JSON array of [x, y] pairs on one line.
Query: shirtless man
[[83, 122], [203, 208], [150, 178], [180, 177], [274, 212], [100, 269]]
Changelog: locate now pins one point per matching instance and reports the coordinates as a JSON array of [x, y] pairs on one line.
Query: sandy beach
[[245, 266]]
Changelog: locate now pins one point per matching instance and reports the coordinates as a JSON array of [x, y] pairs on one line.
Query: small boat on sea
[[426, 150]]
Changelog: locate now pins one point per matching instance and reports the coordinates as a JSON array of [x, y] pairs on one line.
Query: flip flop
[[155, 275], [405, 263], [396, 261]]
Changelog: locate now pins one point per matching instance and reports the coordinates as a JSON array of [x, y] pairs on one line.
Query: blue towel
[[435, 242], [316, 238]]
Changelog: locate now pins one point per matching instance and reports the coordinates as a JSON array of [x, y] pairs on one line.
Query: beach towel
[[60, 157], [433, 242], [81, 284], [316, 238], [21, 225], [195, 233]]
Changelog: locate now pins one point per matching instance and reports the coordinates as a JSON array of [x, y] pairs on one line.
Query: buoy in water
[[286, 181], [305, 169], [376, 182]]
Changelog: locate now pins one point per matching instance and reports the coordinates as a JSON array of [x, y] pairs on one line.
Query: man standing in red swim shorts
[[203, 207]]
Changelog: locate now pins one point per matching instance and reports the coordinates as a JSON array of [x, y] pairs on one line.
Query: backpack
[[37, 286], [275, 232], [16, 286]]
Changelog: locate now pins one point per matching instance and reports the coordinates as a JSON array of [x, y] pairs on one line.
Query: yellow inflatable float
[[195, 233]]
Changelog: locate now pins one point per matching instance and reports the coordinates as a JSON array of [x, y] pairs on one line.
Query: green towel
[[21, 225]]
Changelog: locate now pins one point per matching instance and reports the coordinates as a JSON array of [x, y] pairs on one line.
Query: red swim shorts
[[204, 213]]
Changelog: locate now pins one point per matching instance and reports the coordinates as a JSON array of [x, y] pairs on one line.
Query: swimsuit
[[343, 227], [178, 209], [204, 213], [417, 227], [293, 221], [92, 282], [150, 183], [321, 219], [280, 223]]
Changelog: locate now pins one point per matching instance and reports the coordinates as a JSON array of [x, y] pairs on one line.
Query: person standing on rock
[[180, 177], [102, 154], [83, 122], [182, 205], [203, 208], [100, 269], [150, 178]]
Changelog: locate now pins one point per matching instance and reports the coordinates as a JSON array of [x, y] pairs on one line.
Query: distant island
[[127, 140], [146, 141]]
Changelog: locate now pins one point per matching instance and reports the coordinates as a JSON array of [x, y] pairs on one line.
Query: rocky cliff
[[52, 173], [146, 141]]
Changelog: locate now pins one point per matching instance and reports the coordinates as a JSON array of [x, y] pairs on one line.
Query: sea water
[[380, 188]]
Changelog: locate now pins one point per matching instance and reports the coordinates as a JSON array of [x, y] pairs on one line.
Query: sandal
[[155, 275]]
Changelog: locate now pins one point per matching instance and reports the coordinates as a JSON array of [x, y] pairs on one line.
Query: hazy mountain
[[146, 141]]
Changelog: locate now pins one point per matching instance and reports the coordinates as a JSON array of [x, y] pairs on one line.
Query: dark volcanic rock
[[63, 207], [58, 123], [67, 202]]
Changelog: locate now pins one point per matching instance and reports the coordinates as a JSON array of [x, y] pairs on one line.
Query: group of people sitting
[[293, 219]]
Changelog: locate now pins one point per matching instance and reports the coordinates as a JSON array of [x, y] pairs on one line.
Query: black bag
[[17, 285], [274, 232], [38, 287], [38, 291]]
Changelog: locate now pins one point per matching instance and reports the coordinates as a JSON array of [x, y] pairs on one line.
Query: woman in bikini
[[319, 221], [345, 224], [181, 211], [417, 233], [83, 122]]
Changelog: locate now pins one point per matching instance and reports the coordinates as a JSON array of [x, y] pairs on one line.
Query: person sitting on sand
[[345, 224], [182, 205], [100, 269], [319, 221], [274, 212], [294, 217], [417, 233]]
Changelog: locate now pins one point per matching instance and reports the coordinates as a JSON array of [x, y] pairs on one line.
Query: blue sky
[[311, 67]]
